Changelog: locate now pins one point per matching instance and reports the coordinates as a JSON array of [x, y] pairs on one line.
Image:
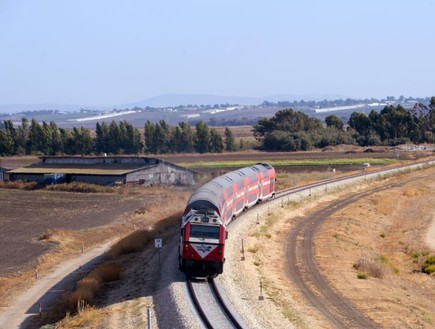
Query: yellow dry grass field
[[393, 232], [390, 230], [88, 219]]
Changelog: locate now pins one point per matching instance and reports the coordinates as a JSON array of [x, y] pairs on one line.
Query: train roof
[[212, 190]]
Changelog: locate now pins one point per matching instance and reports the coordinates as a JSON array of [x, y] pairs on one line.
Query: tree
[[229, 140], [133, 143], [279, 140], [56, 140], [360, 122], [187, 143], [114, 138], [159, 140], [216, 142], [36, 137], [286, 120], [6, 143], [99, 139], [81, 141], [397, 125], [334, 121], [202, 137], [148, 135]]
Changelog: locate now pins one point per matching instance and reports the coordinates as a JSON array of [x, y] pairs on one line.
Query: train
[[209, 211]]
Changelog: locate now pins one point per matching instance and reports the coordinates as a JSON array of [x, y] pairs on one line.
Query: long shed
[[104, 170]]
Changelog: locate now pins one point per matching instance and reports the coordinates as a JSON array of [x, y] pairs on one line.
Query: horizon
[[107, 54]]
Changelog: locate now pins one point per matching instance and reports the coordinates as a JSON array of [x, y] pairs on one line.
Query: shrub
[[429, 265], [362, 275], [91, 284], [370, 268]]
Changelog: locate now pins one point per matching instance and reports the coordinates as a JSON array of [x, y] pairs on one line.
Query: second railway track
[[304, 270]]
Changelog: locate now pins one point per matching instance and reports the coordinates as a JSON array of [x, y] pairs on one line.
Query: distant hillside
[[168, 100], [15, 108], [178, 99]]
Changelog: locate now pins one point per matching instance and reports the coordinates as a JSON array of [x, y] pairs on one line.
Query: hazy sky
[[102, 52]]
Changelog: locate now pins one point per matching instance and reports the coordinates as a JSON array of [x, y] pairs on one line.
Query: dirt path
[[304, 270], [26, 305], [390, 229]]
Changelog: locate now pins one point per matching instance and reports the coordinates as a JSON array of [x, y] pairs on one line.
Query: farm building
[[2, 174], [107, 170]]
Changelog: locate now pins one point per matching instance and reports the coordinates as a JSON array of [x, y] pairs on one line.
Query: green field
[[309, 162]]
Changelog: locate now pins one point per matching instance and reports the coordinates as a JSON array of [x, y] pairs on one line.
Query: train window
[[204, 232]]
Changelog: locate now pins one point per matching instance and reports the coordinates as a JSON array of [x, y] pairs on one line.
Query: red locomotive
[[211, 208]]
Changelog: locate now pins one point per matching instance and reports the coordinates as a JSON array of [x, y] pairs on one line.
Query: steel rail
[[220, 303], [223, 304]]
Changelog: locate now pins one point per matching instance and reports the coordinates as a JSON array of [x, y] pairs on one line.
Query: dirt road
[[47, 288], [304, 270]]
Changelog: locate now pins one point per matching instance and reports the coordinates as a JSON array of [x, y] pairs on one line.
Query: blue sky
[[104, 53]]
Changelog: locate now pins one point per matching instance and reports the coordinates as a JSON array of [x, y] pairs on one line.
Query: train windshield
[[204, 232]]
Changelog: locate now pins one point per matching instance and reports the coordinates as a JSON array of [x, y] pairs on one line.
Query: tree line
[[290, 130], [287, 130], [114, 138]]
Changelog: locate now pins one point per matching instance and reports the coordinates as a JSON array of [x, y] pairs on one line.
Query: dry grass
[[385, 205], [20, 185], [68, 243], [88, 318], [89, 287], [92, 284], [80, 187], [373, 269], [412, 192], [288, 179], [137, 240]]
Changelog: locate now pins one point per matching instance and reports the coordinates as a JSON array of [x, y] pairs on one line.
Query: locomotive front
[[202, 243]]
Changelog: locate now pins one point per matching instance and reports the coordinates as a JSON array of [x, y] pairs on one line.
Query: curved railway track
[[303, 269], [340, 313], [210, 306]]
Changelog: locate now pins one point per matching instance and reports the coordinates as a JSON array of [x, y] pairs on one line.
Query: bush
[[362, 275], [429, 265], [91, 284], [370, 268]]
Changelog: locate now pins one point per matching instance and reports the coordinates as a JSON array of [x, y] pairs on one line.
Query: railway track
[[210, 306], [214, 313], [303, 269]]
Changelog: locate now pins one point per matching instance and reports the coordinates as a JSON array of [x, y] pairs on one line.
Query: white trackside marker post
[[158, 244], [149, 318]]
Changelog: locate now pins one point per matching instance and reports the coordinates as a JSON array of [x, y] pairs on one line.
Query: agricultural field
[[40, 227]]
